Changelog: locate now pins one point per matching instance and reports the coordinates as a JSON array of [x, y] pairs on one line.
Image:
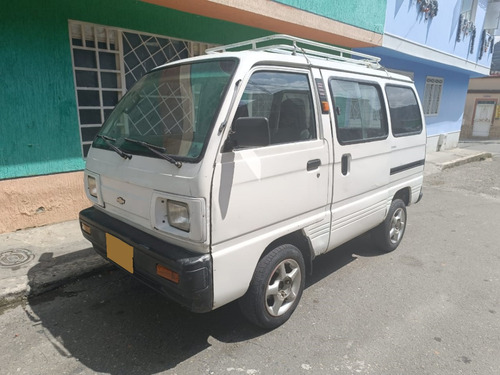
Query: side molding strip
[[405, 167]]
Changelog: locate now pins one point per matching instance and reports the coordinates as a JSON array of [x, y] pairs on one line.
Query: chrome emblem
[[120, 200]]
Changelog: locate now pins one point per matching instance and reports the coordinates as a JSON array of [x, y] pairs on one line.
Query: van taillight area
[[177, 273]]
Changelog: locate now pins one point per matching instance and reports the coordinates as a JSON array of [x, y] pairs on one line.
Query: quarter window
[[359, 112], [432, 95], [404, 111]]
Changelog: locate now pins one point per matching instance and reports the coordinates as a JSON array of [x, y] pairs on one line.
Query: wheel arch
[[403, 194], [300, 241]]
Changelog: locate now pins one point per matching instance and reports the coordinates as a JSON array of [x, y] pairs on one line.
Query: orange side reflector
[[167, 273], [325, 107]]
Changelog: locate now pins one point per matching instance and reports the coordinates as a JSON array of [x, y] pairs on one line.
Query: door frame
[[494, 101]]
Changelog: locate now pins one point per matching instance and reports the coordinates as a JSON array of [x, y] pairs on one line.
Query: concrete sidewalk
[[466, 153], [36, 260]]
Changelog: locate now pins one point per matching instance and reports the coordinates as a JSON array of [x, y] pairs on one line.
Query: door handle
[[346, 164], [313, 164]]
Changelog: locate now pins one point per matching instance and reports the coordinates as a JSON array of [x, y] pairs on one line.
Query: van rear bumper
[[194, 289]]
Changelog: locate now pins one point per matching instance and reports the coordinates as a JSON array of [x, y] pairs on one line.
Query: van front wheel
[[388, 235], [276, 287]]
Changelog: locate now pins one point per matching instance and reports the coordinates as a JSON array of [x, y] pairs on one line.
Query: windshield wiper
[[108, 141], [158, 150]]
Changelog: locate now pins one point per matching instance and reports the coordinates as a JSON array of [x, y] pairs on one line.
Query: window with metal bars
[[108, 61], [432, 95]]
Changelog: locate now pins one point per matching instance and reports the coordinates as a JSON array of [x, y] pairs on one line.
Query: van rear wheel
[[276, 287], [389, 234]]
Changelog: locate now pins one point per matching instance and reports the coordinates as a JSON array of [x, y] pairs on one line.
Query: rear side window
[[404, 110], [359, 111]]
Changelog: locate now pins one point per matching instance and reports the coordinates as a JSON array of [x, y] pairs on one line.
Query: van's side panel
[[407, 150], [274, 186], [360, 197], [361, 170], [261, 194], [407, 165]]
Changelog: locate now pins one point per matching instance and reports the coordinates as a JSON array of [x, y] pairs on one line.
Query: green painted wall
[[366, 14], [39, 131]]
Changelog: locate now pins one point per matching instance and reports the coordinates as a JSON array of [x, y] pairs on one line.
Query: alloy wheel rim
[[283, 287], [398, 222]]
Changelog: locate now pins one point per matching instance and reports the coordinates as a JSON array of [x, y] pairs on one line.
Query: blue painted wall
[[404, 19]]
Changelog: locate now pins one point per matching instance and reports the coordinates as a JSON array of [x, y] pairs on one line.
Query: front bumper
[[194, 289]]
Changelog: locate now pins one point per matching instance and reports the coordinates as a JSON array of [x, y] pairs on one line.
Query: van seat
[[292, 125]]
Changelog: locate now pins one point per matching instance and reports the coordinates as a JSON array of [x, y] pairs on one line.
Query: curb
[[49, 277], [467, 159]]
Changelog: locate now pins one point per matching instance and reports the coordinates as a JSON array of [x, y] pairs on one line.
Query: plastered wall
[[36, 201]]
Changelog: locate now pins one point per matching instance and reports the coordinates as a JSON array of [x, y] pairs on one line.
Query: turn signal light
[[325, 107], [167, 273], [86, 228]]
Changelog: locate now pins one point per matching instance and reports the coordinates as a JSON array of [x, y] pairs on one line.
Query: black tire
[[389, 234], [276, 287]]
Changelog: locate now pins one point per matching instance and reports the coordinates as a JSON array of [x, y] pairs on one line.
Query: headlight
[[178, 215], [92, 186]]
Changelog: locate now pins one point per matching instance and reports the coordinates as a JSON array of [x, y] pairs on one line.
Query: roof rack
[[286, 44]]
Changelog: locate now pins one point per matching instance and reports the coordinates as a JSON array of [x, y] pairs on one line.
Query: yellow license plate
[[120, 252]]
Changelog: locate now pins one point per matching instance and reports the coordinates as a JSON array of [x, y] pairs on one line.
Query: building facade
[[482, 110], [441, 45], [65, 64]]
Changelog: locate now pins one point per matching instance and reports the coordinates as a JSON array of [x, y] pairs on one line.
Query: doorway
[[483, 117]]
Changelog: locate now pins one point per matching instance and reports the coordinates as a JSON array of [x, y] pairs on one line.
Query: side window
[[404, 111], [283, 100], [359, 111]]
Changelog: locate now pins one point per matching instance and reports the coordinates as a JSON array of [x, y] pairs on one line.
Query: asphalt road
[[430, 307]]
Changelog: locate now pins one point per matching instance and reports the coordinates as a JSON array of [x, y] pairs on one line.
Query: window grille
[[108, 61], [432, 95]]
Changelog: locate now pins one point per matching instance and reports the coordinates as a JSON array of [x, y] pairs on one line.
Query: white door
[[361, 162], [271, 178], [483, 118], [283, 179]]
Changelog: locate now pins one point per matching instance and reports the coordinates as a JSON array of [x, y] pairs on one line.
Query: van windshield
[[169, 111]]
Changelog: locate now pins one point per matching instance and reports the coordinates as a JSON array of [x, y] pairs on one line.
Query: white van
[[222, 177]]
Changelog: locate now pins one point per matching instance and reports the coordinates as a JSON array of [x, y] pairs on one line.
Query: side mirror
[[250, 132]]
